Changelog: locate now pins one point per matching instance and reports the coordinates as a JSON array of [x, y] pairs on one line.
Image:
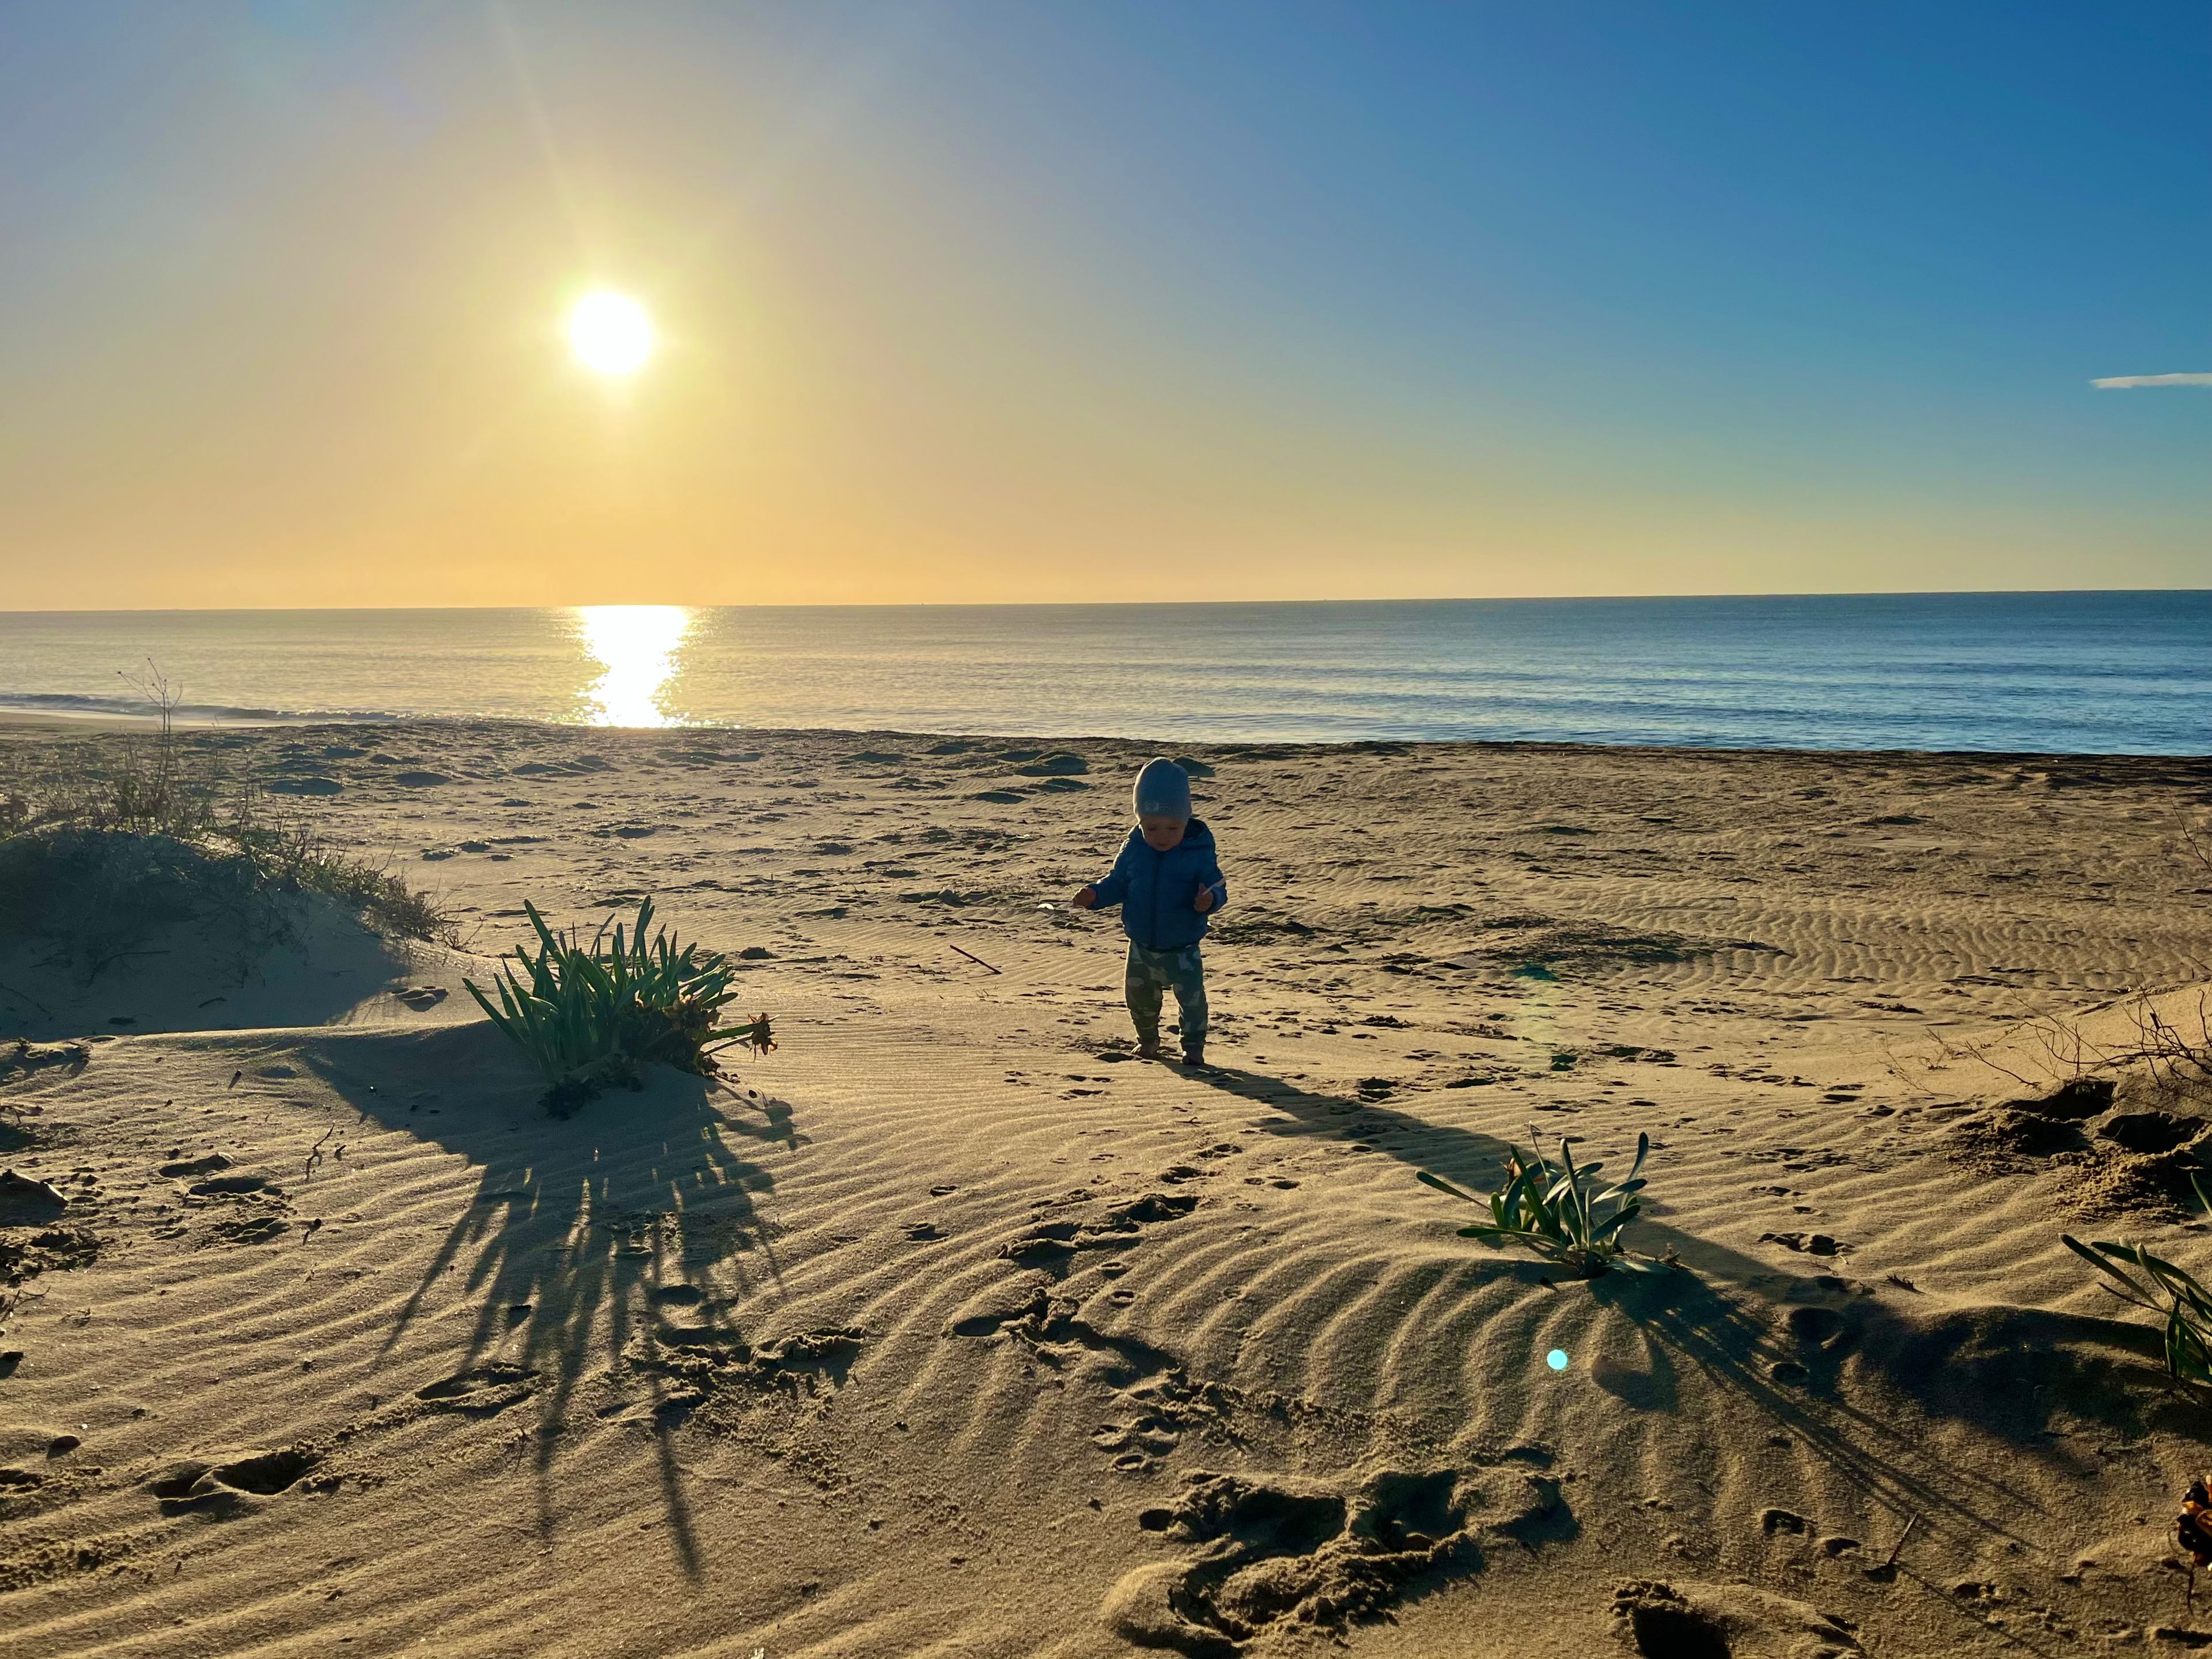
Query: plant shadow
[[1860, 1382], [593, 1243], [1852, 1373]]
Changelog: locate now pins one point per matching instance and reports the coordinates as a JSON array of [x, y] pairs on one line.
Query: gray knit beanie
[[1163, 791]]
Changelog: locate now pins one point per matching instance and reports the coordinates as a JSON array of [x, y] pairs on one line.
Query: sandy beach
[[561, 1097], [951, 1328]]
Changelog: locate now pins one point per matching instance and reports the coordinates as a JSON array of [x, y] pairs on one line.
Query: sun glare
[[609, 333], [636, 646]]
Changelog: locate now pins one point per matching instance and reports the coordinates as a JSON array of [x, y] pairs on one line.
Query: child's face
[[1161, 833]]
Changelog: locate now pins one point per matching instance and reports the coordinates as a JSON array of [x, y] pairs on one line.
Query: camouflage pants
[[1152, 974]]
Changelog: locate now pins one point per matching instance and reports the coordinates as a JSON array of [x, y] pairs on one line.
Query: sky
[[973, 300]]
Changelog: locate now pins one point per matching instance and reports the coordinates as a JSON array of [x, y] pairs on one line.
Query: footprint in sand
[[257, 1229], [1144, 1212], [184, 1169], [196, 1486], [233, 1186], [1711, 1621], [1163, 1402], [1152, 1435], [721, 1367], [1822, 1328], [481, 1390], [1049, 1241], [1273, 1555], [1045, 1241]]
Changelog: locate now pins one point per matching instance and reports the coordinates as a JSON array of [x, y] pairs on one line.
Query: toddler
[[1167, 882]]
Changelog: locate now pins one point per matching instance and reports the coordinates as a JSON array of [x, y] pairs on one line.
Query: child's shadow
[[1460, 1154]]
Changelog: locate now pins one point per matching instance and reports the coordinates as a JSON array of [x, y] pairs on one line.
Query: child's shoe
[[1194, 1053], [1148, 1050]]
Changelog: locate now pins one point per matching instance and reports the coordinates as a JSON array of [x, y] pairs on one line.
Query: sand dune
[[952, 1328]]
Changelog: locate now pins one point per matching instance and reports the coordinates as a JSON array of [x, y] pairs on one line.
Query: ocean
[[2078, 673]]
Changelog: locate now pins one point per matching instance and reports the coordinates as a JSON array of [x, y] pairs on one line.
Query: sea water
[[2088, 672]]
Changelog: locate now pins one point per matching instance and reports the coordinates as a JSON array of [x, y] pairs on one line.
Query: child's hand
[[1204, 902], [1085, 899]]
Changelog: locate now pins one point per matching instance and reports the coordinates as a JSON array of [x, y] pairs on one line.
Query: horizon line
[[1101, 605]]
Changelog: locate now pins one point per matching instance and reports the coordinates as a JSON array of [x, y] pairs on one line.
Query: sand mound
[[104, 929], [93, 897]]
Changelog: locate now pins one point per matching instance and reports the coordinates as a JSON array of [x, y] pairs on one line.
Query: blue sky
[[971, 300]]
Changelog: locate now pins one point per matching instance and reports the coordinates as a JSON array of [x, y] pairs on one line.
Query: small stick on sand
[[29, 998], [973, 958], [1899, 1544]]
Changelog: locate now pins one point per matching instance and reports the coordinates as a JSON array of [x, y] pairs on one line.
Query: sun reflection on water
[[636, 647]]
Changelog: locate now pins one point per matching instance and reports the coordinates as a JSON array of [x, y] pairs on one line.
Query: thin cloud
[[2129, 382]]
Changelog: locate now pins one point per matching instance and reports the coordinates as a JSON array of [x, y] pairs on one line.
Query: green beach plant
[[2171, 1291], [1560, 1211], [590, 1015]]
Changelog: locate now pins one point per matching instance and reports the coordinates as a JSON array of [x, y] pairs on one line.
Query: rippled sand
[[953, 1329]]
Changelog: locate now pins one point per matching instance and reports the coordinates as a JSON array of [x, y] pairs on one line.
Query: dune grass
[[1560, 1212], [590, 1015], [104, 838], [2177, 1295], [286, 849]]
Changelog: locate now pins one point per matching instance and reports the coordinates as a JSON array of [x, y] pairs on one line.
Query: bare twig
[[1891, 1560], [2175, 1056], [2196, 838], [1895, 1067], [27, 997], [973, 958]]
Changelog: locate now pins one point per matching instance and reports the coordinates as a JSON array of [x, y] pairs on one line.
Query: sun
[[609, 333]]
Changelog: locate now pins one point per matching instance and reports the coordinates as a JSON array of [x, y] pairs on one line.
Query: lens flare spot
[[636, 647], [1557, 1359]]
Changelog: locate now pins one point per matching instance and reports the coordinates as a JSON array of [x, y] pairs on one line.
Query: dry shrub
[[108, 841]]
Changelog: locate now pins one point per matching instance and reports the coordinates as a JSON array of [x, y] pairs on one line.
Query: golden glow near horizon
[[636, 647], [609, 333], [737, 305]]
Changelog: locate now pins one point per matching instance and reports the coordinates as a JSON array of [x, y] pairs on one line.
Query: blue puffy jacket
[[1155, 889]]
